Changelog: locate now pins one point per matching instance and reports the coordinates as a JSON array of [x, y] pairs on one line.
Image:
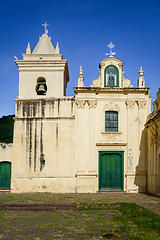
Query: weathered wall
[[44, 138]]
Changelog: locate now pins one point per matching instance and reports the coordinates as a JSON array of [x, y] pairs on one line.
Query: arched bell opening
[[41, 87]]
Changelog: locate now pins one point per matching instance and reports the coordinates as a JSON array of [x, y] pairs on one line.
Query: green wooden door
[[5, 175], [110, 170]]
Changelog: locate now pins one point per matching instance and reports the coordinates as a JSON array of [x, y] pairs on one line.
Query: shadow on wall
[[141, 171], [158, 178]]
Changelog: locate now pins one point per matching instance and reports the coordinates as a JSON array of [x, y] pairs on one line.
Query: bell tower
[[44, 121], [43, 73]]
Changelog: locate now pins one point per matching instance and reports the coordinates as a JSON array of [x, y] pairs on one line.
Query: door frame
[[10, 163], [122, 165]]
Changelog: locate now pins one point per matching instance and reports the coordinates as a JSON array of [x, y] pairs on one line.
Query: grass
[[146, 224], [71, 198], [142, 217], [95, 216]]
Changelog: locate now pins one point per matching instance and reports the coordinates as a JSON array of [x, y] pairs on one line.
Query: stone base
[[136, 183], [86, 184], [53, 185]]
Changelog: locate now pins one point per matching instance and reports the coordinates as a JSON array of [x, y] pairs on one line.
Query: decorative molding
[[111, 144], [153, 134], [92, 172], [102, 65], [120, 65], [109, 133], [80, 171], [111, 106], [86, 174], [80, 103], [130, 103], [92, 103], [141, 104], [131, 173], [154, 139], [42, 118], [111, 91], [96, 83]]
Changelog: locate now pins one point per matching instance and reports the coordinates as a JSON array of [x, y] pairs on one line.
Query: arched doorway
[[5, 175]]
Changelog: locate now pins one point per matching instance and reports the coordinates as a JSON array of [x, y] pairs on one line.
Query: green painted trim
[[105, 76], [5, 175], [105, 119], [99, 162], [122, 171], [122, 162]]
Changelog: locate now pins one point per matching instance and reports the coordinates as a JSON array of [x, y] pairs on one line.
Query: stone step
[[5, 191], [111, 191], [36, 206]]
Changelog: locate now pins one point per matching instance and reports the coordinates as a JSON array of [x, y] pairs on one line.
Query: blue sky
[[83, 30]]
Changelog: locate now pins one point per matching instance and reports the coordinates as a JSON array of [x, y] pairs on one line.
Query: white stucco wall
[[132, 107], [5, 152]]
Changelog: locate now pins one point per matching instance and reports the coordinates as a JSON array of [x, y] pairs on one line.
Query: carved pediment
[[111, 106]]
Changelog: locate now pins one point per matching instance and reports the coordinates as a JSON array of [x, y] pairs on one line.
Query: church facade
[[93, 141]]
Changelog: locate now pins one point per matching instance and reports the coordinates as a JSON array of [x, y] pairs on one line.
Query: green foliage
[[141, 216], [6, 129], [147, 223]]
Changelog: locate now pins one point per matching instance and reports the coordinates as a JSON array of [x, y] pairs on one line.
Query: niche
[[41, 87]]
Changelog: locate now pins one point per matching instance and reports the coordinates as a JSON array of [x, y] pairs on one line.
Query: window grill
[[111, 121]]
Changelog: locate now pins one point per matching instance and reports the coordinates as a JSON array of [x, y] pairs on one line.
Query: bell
[[41, 89]]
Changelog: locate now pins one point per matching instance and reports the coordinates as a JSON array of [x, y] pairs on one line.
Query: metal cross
[[111, 46], [45, 26]]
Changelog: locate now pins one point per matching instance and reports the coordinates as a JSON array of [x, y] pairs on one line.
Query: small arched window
[[111, 121], [41, 87], [111, 76]]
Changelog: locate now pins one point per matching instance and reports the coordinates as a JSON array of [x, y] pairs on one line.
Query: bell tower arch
[[41, 87]]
